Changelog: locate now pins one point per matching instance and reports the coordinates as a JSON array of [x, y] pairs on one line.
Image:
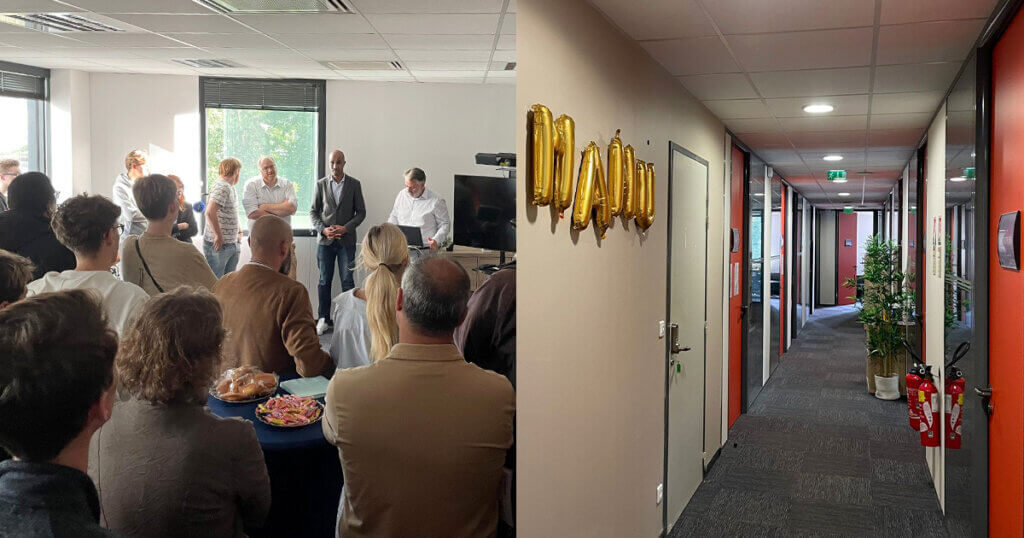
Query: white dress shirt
[[428, 212], [336, 187], [257, 192]]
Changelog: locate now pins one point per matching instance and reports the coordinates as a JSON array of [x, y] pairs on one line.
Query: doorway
[[686, 311]]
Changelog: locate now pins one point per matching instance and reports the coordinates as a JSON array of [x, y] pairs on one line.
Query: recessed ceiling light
[[844, 194], [833, 157], [958, 179], [758, 194], [818, 109]]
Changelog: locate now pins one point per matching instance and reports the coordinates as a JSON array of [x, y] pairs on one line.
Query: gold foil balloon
[[591, 193], [542, 137], [648, 209], [615, 175], [640, 182], [629, 182], [565, 153]]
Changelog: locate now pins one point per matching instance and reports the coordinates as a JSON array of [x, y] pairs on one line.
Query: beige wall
[[591, 366]]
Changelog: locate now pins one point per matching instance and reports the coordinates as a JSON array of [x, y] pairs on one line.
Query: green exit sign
[[847, 210], [836, 174]]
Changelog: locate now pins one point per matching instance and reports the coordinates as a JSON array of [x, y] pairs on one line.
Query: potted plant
[[885, 302]]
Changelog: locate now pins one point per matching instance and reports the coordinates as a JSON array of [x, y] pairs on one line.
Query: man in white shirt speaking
[[418, 206], [268, 194]]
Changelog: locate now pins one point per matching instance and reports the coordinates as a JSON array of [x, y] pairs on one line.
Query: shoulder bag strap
[[146, 266]]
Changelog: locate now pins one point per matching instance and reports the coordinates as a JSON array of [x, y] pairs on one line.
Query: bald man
[[268, 315], [268, 194], [338, 208]]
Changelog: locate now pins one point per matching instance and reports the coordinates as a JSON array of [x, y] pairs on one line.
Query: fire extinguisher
[[913, 380], [954, 399], [927, 395]]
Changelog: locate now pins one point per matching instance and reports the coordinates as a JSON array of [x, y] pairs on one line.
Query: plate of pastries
[[245, 384]]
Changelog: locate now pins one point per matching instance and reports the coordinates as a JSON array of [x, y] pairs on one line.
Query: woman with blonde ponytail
[[365, 326]]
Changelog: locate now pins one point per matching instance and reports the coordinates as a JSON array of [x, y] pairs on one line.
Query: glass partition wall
[[753, 365]]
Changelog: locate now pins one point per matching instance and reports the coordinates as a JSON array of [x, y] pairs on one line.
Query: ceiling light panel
[[793, 107]]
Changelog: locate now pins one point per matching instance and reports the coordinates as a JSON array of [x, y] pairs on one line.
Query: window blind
[[23, 81], [301, 95]]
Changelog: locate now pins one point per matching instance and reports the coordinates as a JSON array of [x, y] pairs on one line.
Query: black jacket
[[185, 215], [47, 500], [32, 237]]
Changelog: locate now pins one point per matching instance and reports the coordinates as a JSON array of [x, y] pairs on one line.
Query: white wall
[[934, 265], [865, 229], [591, 368], [70, 131]]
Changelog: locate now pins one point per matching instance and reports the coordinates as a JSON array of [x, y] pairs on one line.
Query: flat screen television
[[485, 212]]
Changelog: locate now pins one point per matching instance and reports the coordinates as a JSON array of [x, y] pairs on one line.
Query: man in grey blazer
[[338, 208]]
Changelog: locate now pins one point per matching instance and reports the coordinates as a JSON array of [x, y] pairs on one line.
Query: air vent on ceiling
[[207, 64], [276, 6], [364, 66], [57, 22], [511, 66]]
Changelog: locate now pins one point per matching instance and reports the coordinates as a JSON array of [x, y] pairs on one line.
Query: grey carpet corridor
[[816, 455]]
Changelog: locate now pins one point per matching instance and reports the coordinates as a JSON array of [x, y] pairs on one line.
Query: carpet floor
[[816, 455]]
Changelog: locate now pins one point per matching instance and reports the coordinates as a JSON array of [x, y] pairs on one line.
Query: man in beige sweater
[[268, 316], [422, 433], [155, 260]]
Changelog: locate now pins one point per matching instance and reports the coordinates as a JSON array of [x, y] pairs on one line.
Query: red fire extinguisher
[[913, 381], [927, 394], [954, 398]]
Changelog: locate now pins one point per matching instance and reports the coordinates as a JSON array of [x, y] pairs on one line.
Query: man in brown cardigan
[[268, 315]]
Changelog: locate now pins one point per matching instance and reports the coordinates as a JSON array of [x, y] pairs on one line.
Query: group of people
[[105, 379]]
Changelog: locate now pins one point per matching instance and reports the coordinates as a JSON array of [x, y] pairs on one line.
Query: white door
[[684, 427]]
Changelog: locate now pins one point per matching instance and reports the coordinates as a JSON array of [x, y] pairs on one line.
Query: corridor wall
[[934, 238], [591, 368]]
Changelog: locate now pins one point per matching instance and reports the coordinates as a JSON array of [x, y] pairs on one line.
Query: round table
[[305, 473]]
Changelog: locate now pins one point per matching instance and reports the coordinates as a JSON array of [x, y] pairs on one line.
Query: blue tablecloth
[[305, 474]]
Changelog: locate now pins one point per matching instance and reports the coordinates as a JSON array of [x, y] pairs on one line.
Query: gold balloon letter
[[615, 188], [646, 217], [591, 192], [565, 153], [542, 134], [629, 182]]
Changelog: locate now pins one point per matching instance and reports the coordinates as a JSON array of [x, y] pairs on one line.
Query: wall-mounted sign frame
[[1008, 241]]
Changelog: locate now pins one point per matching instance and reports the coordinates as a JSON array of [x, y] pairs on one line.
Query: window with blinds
[[23, 81], [302, 95]]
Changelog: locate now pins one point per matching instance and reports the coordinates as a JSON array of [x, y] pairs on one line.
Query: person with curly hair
[[88, 225], [202, 475]]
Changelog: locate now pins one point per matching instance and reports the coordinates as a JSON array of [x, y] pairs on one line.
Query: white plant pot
[[887, 388]]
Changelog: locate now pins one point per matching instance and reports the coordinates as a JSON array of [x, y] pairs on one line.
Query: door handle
[[986, 398], [674, 340]]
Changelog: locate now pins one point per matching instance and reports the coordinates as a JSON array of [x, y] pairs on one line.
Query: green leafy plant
[[885, 302]]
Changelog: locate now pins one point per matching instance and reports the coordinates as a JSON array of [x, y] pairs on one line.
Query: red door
[[736, 286], [847, 256], [1006, 291]]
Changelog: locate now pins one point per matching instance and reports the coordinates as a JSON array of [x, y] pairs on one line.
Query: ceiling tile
[[447, 66], [211, 23], [811, 83], [448, 55], [433, 24], [341, 41], [511, 6], [246, 53], [35, 6], [711, 87], [125, 39], [394, 76], [888, 158], [893, 103], [39, 40], [759, 16], [781, 157], [506, 42], [233, 41], [901, 11], [914, 77], [697, 56], [766, 140], [803, 50], [657, 19], [793, 107], [896, 137], [323, 23], [140, 6], [499, 55], [850, 154], [329, 54], [825, 123], [901, 121], [508, 24], [759, 125], [440, 42], [289, 62], [243, 72], [304, 73], [432, 6], [18, 52], [826, 139], [948, 41], [738, 109]]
